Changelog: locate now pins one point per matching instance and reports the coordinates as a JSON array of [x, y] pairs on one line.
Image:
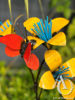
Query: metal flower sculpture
[[46, 33], [43, 32], [66, 71]]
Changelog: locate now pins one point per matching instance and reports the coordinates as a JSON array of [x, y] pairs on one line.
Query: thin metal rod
[[32, 75], [41, 8], [40, 68], [20, 29], [26, 34]]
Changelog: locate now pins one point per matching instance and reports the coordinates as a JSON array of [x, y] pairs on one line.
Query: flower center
[[43, 29], [61, 71]]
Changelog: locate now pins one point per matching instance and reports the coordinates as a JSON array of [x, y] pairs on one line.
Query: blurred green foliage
[[16, 84], [71, 29], [61, 6]]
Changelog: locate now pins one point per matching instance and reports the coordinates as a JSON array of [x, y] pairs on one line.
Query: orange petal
[[71, 64], [53, 59], [59, 39], [47, 81], [58, 24], [37, 43], [8, 30], [29, 24]]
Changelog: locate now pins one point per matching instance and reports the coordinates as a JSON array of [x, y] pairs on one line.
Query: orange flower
[[45, 31], [6, 28], [67, 70]]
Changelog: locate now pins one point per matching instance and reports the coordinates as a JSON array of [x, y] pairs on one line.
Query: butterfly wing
[[31, 59], [11, 53], [27, 52], [33, 62], [12, 41]]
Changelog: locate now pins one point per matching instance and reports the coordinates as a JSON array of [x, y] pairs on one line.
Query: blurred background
[[15, 79]]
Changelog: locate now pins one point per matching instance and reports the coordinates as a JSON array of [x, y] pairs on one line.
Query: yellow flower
[[5, 28], [45, 31], [67, 70]]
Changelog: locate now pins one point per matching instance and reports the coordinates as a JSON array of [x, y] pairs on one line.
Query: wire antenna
[[18, 26], [26, 34]]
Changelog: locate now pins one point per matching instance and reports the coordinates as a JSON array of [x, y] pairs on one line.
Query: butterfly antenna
[[26, 34], [20, 29]]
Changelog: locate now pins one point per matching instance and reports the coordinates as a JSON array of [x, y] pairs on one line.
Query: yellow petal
[[71, 64], [47, 81], [6, 31], [58, 24], [29, 24], [69, 93], [38, 41], [53, 59], [59, 39]]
